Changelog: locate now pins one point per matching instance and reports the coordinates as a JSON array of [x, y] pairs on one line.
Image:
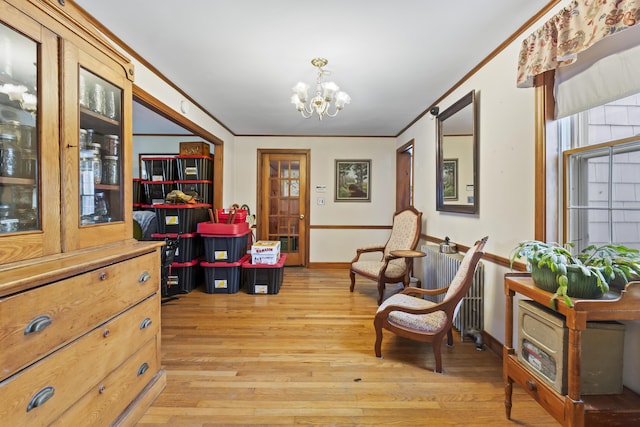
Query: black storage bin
[[189, 245], [180, 219], [222, 277], [194, 167], [159, 168], [200, 189], [182, 277], [225, 248], [156, 191], [263, 278]]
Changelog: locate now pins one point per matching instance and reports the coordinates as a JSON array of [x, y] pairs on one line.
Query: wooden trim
[[350, 227], [485, 61], [329, 265], [261, 186], [489, 257], [144, 62], [544, 110], [154, 104]]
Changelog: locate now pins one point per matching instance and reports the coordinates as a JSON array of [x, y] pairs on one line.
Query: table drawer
[[537, 388], [104, 402], [36, 322], [40, 393]]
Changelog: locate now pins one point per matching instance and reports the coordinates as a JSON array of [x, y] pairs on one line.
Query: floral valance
[[574, 29]]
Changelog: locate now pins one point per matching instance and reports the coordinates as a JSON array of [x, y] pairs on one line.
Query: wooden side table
[[409, 255]]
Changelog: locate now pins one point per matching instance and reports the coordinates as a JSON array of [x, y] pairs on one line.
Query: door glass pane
[[19, 148], [101, 186]]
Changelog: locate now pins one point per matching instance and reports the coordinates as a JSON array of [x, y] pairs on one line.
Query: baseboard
[[330, 265]]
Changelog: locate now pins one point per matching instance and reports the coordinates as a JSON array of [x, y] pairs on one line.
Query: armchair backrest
[[464, 277], [405, 232]]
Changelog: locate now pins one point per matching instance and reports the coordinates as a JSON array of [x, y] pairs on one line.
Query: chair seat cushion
[[431, 322], [372, 268]]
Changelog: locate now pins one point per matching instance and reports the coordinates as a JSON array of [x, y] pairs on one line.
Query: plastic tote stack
[[225, 250]]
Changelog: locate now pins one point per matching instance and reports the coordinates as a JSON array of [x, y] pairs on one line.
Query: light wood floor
[[305, 357]]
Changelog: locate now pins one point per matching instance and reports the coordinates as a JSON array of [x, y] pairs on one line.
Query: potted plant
[[620, 263], [554, 269]]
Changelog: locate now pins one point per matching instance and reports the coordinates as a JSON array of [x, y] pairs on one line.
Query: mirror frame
[[468, 99]]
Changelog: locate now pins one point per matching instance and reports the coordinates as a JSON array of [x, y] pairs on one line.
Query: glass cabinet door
[[29, 189], [19, 203], [95, 150], [100, 134]]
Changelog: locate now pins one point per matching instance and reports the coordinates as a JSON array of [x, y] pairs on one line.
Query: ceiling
[[239, 59]]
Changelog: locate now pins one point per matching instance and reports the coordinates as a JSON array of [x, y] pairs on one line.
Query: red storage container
[[223, 215], [217, 228], [263, 278], [222, 277]]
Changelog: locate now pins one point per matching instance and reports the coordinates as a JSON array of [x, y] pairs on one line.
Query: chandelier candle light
[[326, 92]]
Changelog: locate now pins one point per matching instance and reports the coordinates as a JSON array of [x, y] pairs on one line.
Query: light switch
[[320, 201]]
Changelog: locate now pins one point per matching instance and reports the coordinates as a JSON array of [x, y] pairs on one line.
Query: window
[[601, 165]]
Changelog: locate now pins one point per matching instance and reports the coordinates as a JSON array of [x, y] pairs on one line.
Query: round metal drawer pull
[[105, 333], [144, 277], [145, 323], [41, 397], [143, 368], [103, 276], [101, 389], [38, 324]]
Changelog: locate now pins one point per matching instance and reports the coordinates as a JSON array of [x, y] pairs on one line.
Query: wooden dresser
[[79, 297], [81, 337]]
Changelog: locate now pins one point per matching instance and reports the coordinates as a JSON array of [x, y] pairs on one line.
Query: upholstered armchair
[[405, 234], [409, 315]]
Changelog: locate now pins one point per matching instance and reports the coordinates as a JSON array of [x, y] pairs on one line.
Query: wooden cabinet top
[[23, 275], [612, 306]]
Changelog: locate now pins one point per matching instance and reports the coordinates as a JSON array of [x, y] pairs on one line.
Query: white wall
[[329, 245], [506, 180]]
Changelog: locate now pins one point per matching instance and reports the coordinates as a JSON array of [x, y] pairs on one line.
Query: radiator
[[439, 270]]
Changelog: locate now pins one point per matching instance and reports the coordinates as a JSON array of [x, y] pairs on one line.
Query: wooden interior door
[[404, 176], [284, 202]]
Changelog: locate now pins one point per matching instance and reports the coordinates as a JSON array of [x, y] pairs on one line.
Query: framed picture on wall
[[450, 178], [353, 181]]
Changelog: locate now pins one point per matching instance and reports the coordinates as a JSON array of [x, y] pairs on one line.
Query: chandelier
[[326, 92]]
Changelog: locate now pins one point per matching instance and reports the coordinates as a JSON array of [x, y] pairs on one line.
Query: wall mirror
[[457, 157]]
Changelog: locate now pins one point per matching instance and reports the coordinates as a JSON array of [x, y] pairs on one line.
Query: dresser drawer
[[39, 394], [104, 402], [35, 322]]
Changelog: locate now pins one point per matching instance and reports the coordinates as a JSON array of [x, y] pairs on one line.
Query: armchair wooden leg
[[437, 354], [450, 337], [380, 291], [377, 324], [352, 275]]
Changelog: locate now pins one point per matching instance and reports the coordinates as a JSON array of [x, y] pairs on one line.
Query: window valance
[[574, 29]]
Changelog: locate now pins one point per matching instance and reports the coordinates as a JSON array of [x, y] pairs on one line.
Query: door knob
[[301, 216]]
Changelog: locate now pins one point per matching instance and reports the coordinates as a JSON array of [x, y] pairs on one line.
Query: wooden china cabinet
[[79, 297]]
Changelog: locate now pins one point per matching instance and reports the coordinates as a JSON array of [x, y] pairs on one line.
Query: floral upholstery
[[430, 322], [405, 234], [409, 315], [422, 322]]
